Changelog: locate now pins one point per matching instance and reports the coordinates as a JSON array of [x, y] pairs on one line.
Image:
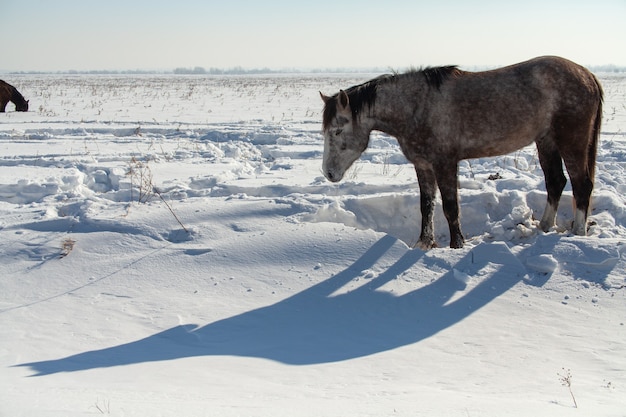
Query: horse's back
[[5, 86], [5, 93], [6, 89], [565, 76], [498, 111], [554, 77]]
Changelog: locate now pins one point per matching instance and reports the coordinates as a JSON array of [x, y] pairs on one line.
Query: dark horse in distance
[[443, 115], [10, 93]]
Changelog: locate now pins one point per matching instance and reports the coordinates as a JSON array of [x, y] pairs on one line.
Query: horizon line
[[238, 70]]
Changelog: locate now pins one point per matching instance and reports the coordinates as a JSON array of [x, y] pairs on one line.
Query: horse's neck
[[398, 104], [16, 97]]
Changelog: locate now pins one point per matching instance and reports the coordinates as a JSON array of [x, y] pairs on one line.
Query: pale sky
[[60, 35]]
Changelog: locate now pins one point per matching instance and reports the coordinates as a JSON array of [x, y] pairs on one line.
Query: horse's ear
[[343, 100], [324, 97]]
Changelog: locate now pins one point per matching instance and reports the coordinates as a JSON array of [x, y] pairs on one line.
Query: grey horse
[[443, 115]]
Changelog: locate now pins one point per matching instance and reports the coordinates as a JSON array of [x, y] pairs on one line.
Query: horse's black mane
[[16, 96], [435, 76], [365, 94], [359, 95]]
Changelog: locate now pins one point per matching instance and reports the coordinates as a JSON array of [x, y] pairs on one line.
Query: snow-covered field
[[169, 247]]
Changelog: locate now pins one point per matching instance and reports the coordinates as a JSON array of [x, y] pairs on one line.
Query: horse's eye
[[338, 132]]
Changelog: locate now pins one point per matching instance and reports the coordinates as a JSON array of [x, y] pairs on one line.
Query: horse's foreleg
[[428, 188], [447, 180]]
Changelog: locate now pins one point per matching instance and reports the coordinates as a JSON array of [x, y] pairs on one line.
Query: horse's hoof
[[545, 227], [457, 243], [425, 245]]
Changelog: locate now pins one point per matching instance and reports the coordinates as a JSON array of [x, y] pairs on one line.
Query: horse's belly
[[486, 147]]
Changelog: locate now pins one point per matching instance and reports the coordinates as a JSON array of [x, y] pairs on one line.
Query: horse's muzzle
[[330, 176]]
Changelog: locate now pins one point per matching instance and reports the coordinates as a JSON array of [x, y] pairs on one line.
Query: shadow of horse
[[315, 326]]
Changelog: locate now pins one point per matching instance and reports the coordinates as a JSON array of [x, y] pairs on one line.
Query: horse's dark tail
[[593, 144]]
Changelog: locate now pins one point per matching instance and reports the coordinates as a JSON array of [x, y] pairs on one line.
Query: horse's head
[[344, 138], [22, 106]]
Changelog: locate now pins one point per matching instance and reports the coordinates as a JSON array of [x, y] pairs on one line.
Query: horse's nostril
[[329, 175]]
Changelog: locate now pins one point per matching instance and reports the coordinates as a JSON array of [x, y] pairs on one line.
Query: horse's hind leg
[[578, 145], [582, 187], [551, 163]]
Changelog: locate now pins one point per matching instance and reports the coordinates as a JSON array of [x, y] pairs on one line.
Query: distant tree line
[[607, 68], [210, 71], [90, 72], [221, 71], [254, 71]]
